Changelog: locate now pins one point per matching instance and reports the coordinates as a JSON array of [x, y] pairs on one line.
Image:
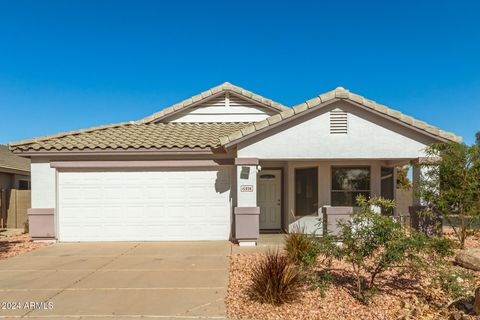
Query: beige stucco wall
[[43, 184], [324, 182], [404, 199], [6, 180]]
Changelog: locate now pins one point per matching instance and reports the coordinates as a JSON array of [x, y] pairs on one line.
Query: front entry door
[[269, 199]]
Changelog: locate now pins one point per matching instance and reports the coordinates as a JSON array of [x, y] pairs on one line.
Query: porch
[[281, 195]]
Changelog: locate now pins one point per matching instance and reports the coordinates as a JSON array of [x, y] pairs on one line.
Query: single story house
[[14, 174], [224, 164], [14, 170]]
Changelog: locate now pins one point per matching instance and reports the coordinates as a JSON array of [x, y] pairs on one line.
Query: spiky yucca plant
[[275, 279]]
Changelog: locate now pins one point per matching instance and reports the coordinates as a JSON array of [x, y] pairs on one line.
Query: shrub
[[301, 248], [454, 283], [450, 186], [373, 244], [327, 250], [320, 280], [275, 279]]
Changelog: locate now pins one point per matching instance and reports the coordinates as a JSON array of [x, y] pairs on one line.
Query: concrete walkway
[[122, 280]]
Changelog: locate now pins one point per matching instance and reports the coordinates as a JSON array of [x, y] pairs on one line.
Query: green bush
[[275, 280], [450, 186], [327, 250], [373, 244], [320, 280], [454, 283]]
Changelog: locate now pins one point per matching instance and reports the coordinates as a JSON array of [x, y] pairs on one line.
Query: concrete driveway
[[177, 280]]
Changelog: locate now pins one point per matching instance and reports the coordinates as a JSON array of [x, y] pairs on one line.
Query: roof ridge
[[341, 94], [224, 87]]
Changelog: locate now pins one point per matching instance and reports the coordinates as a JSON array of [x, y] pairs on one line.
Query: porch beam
[[246, 161], [140, 164]]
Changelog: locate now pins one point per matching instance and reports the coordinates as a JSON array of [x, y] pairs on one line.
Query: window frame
[[332, 191], [295, 190]]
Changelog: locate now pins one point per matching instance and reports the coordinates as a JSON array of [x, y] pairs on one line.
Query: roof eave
[[14, 171], [129, 152]]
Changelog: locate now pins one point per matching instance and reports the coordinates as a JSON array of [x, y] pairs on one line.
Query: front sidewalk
[[266, 242]]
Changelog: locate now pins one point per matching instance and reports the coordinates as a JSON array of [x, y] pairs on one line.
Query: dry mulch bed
[[398, 298], [17, 244]]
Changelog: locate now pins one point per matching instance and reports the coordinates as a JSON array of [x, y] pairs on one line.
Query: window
[[306, 191], [267, 177], [348, 183], [23, 185]]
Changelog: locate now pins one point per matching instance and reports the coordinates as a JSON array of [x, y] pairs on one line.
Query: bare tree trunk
[[476, 304], [463, 231]]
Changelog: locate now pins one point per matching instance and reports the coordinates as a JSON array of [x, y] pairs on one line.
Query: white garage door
[[144, 205]]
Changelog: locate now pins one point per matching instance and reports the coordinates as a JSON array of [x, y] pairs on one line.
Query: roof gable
[[220, 91], [340, 130], [326, 99]]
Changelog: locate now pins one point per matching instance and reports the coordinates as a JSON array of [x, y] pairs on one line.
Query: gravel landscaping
[[13, 245], [398, 297]]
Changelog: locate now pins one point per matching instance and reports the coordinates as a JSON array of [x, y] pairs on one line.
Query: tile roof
[[341, 94], [146, 134], [10, 161], [140, 134], [134, 135], [224, 87]]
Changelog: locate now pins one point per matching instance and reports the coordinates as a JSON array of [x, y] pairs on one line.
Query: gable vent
[[338, 122]]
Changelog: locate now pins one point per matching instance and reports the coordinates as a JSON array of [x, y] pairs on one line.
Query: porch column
[[416, 180], [247, 228]]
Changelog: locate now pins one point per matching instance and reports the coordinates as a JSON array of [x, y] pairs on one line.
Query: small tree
[[373, 244], [403, 182], [450, 185]]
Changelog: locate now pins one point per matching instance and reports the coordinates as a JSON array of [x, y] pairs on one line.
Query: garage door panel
[[141, 205]]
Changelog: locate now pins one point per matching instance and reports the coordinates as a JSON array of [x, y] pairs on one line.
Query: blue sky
[[67, 65]]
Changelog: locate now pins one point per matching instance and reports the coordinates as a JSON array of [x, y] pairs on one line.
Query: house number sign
[[246, 188]]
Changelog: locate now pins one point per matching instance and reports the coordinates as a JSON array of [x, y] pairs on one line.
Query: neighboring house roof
[[327, 98], [199, 98], [10, 162], [134, 136]]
